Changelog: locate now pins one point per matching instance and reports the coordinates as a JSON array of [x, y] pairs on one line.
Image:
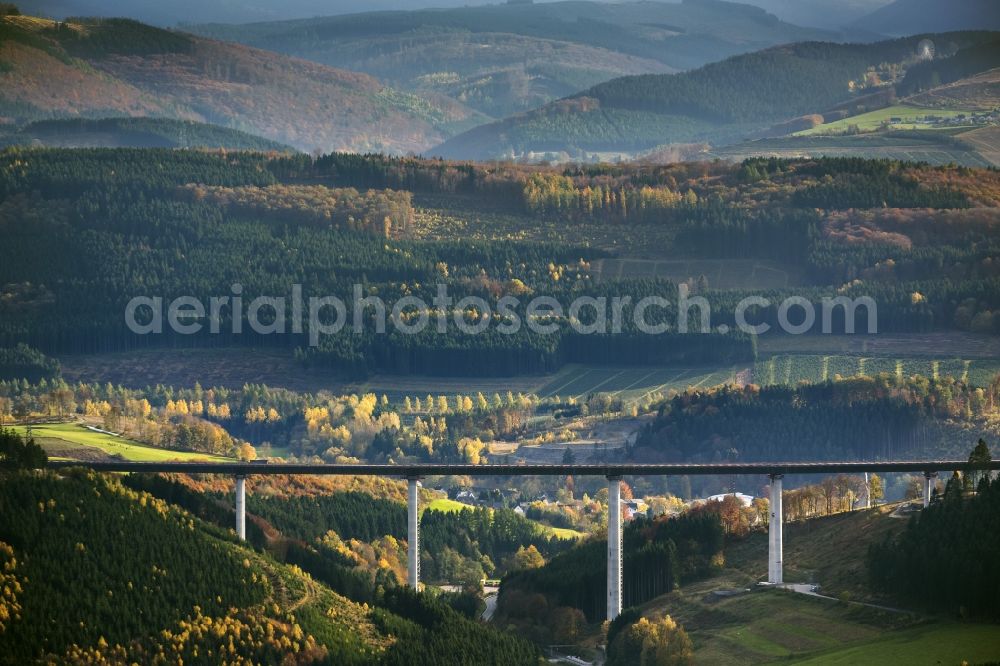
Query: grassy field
[[949, 643], [792, 369], [733, 622], [933, 147], [830, 551], [767, 626], [827, 551], [73, 441], [909, 117], [564, 532], [445, 505], [450, 506]]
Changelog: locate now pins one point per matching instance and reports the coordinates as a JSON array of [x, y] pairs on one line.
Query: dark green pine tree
[[980, 458]]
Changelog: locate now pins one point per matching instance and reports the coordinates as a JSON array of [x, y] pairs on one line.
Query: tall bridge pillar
[[929, 478], [614, 546], [775, 573], [413, 530], [868, 492], [241, 507]]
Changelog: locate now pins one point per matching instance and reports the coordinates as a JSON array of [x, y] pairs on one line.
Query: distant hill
[[506, 58], [116, 67], [910, 17], [230, 11], [136, 133], [961, 91], [719, 103], [819, 13], [935, 77]]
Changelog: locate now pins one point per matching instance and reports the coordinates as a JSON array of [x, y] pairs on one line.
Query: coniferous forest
[[169, 224], [186, 589], [951, 545]]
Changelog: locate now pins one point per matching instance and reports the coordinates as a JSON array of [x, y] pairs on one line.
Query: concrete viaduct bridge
[[612, 472]]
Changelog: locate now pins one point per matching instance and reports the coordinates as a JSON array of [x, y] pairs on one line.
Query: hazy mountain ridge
[[136, 133], [99, 68], [502, 59], [907, 17], [718, 103], [820, 13], [232, 11]]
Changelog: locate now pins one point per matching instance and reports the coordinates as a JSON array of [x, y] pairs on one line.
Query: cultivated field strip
[[633, 384], [796, 368]]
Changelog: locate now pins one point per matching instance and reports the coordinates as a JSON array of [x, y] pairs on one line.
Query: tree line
[[855, 419], [945, 560]]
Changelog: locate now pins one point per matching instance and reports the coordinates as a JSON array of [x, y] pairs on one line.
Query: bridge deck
[[611, 470]]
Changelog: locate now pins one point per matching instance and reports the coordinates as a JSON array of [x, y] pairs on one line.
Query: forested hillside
[[880, 417], [953, 541], [186, 589], [117, 67], [66, 534], [194, 224], [511, 57], [456, 547], [965, 62], [718, 103], [135, 133], [818, 12], [205, 237], [658, 555]]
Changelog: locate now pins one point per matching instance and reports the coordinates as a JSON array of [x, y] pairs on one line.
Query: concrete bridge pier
[[929, 478], [775, 572], [868, 492], [241, 507], [413, 530], [614, 546]]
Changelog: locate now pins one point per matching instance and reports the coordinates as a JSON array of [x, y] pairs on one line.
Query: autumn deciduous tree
[[526, 558], [246, 451], [876, 488], [565, 624], [651, 643]]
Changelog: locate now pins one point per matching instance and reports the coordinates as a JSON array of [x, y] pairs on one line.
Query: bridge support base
[[413, 531], [775, 571], [614, 547], [241, 507], [929, 479]]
